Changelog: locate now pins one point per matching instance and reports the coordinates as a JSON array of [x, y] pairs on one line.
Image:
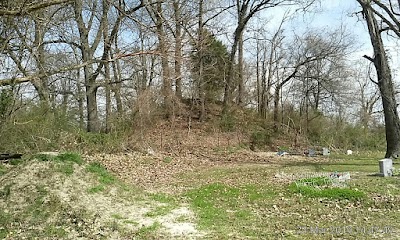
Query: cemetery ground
[[220, 193]]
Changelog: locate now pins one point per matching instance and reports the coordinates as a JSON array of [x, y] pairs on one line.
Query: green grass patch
[[167, 159], [64, 161], [63, 157], [321, 187], [117, 216], [162, 198], [70, 157], [55, 231], [168, 203], [96, 189], [5, 221], [160, 211], [104, 176], [149, 232], [3, 170], [6, 191], [226, 209]]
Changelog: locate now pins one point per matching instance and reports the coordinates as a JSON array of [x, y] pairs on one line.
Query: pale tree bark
[[241, 88], [89, 45], [271, 57], [385, 82], [36, 49], [107, 73], [42, 85], [26, 9], [200, 42], [246, 9], [87, 52], [178, 48], [156, 11], [116, 67]]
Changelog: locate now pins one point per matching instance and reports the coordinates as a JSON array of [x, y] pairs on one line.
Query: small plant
[[168, 159]]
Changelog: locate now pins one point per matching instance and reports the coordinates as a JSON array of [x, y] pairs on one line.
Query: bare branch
[[32, 8]]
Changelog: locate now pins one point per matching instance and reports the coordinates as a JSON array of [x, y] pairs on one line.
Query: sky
[[333, 14]]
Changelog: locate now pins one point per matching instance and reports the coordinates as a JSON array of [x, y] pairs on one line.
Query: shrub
[[260, 139]]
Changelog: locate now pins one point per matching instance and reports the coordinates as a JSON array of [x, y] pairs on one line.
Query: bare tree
[[305, 51], [156, 12], [246, 10], [389, 16]]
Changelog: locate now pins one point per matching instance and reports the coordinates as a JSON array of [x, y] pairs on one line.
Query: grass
[[224, 208], [41, 206], [104, 176], [64, 161], [235, 201], [331, 193], [148, 232], [167, 204], [96, 189], [3, 170], [247, 202]]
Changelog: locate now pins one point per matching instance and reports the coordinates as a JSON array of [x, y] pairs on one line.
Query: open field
[[219, 194]]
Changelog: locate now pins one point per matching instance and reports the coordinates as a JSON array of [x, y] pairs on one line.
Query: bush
[[227, 122], [260, 139]]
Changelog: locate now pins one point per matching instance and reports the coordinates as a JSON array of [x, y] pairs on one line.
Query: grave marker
[[386, 167], [326, 152]]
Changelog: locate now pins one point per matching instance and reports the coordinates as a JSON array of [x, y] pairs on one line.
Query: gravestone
[[349, 152], [311, 152], [326, 152], [386, 167]]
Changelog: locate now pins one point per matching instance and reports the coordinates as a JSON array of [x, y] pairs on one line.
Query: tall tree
[[246, 10], [381, 63], [156, 11]]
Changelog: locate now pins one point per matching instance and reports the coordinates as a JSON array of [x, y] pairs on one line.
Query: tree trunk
[[276, 107], [178, 50], [162, 47], [90, 77], [385, 83], [240, 71], [41, 85], [229, 84], [117, 87], [202, 94]]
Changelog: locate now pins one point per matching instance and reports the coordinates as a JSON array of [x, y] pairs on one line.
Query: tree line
[[98, 57]]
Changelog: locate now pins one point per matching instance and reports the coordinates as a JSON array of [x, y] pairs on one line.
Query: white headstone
[[349, 152], [386, 167], [326, 152]]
